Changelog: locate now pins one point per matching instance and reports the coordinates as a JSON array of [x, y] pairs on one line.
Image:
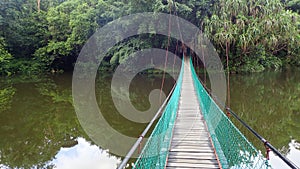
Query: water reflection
[[37, 119], [270, 103], [84, 155], [39, 127], [293, 155]]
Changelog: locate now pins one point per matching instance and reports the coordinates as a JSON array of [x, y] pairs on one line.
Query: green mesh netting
[[233, 149], [155, 151]]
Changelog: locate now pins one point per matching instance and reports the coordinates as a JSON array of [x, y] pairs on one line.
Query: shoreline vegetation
[[38, 37]]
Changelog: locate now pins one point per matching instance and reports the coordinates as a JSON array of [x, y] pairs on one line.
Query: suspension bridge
[[193, 132]]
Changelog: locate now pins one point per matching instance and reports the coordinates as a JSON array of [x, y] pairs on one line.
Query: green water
[[39, 127], [270, 103]]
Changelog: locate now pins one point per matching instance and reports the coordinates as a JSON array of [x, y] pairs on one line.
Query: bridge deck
[[191, 146]]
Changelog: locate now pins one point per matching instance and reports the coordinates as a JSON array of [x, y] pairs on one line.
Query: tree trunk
[[39, 5], [227, 55], [228, 77]]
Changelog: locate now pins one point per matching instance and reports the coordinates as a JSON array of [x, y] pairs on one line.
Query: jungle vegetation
[[250, 35]]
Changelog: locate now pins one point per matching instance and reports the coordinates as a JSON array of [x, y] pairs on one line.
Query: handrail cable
[[263, 140], [140, 138]]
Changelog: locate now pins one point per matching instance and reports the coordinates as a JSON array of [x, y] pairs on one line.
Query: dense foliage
[[4, 56], [39, 36], [254, 34]]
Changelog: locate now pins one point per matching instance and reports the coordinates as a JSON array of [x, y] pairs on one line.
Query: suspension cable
[[160, 111], [167, 52], [174, 61]]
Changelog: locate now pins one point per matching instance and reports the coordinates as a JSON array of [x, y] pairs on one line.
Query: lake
[[39, 127]]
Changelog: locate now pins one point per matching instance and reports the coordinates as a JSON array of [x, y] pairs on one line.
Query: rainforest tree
[[40, 36], [254, 35]]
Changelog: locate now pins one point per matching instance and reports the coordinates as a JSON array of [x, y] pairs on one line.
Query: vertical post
[[140, 145], [228, 113]]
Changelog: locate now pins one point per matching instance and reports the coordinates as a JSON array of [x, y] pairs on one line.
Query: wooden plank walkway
[[191, 146]]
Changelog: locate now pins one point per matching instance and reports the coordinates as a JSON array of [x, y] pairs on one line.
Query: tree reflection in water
[[39, 128], [38, 123]]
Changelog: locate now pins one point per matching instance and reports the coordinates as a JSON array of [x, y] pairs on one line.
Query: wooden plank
[[194, 126], [190, 134], [198, 165], [193, 129], [190, 154], [185, 138], [182, 118], [196, 150], [202, 156], [184, 127], [192, 139], [191, 145], [197, 142], [192, 160], [201, 136]]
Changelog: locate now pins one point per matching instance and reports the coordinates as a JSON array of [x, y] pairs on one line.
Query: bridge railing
[[269, 147], [232, 147], [154, 153]]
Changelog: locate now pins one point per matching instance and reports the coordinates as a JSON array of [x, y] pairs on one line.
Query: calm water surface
[[270, 103], [39, 127]]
